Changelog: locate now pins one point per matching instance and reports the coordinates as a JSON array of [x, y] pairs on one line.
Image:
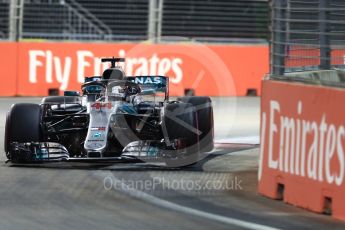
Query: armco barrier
[[215, 70], [302, 146]]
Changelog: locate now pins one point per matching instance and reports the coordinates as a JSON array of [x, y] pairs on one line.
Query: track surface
[[65, 196]]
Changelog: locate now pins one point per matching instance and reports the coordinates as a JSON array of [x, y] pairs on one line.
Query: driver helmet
[[118, 91]]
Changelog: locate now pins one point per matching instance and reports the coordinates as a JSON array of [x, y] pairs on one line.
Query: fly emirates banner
[[30, 69]]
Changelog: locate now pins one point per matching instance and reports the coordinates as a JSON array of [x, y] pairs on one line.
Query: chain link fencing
[[307, 35], [135, 20]]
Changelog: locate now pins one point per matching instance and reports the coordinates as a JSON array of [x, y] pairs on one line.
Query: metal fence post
[[151, 31], [159, 20], [155, 20], [325, 50], [15, 19], [20, 19], [12, 21], [278, 44]]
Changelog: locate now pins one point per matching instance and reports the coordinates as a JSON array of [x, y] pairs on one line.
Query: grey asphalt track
[[217, 193]]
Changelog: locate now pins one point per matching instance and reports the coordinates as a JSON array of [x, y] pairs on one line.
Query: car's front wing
[[137, 151]]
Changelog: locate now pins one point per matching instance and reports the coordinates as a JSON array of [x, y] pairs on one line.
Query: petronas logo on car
[[97, 135]]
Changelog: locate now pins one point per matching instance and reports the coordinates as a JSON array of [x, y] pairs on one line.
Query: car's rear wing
[[158, 83]]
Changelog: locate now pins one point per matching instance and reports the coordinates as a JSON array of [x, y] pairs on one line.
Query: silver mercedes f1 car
[[116, 118]]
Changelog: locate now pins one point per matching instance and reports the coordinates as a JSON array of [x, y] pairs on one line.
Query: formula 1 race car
[[117, 118]]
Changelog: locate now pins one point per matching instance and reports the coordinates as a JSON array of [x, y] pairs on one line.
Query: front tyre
[[23, 126]]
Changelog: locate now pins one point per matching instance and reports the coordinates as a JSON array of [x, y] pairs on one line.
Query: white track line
[[179, 208], [239, 140]]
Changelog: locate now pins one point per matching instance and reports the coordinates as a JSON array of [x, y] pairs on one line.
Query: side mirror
[[148, 92], [71, 93]]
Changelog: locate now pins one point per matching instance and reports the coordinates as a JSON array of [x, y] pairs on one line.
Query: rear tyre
[[22, 126], [180, 122], [204, 110]]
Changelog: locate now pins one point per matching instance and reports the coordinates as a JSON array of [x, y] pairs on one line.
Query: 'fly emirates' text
[[57, 70]]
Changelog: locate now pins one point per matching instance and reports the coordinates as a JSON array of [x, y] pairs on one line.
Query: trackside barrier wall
[[302, 145], [8, 68], [31, 68]]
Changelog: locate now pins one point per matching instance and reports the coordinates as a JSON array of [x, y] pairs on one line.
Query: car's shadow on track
[[220, 150]]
